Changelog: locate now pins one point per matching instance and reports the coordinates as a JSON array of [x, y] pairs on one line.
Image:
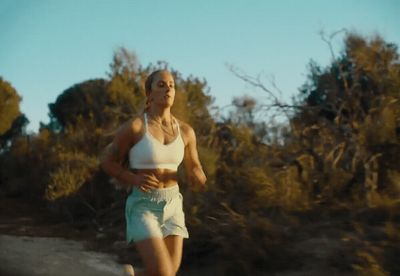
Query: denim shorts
[[158, 213]]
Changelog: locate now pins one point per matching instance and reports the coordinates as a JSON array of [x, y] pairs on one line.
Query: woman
[[156, 143]]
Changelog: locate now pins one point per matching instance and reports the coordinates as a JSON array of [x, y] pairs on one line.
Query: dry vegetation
[[319, 194]]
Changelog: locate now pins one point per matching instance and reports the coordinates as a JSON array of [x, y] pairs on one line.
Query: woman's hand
[[146, 182]]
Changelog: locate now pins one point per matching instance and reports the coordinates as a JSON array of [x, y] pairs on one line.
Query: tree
[[350, 119], [12, 122], [104, 102], [125, 88], [84, 100], [348, 89]]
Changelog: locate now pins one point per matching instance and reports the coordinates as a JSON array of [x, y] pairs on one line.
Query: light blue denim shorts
[[158, 213]]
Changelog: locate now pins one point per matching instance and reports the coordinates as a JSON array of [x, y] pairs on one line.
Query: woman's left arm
[[195, 172]]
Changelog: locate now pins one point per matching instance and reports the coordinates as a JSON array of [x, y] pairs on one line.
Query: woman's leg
[[174, 245], [155, 256]]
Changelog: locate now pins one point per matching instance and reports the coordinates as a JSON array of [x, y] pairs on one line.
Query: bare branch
[[334, 59], [275, 103], [256, 82]]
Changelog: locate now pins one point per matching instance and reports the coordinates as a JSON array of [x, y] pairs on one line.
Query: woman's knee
[[176, 266], [155, 256], [174, 245]]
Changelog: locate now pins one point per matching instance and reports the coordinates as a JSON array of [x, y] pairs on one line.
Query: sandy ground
[[26, 256], [49, 256]]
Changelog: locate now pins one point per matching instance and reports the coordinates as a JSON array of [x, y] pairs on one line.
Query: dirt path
[[33, 243], [22, 256]]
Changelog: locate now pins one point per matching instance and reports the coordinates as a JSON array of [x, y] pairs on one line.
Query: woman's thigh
[[155, 255], [174, 244]]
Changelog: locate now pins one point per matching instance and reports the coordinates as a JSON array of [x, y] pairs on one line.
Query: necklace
[[165, 128]]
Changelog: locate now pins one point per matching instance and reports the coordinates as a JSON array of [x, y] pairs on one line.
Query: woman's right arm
[[114, 154]]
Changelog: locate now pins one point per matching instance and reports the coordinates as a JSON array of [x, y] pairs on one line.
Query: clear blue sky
[[46, 45]]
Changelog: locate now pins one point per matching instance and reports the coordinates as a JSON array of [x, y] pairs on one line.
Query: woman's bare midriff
[[167, 178]]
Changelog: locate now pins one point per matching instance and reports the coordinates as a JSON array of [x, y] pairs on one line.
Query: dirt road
[[31, 256]]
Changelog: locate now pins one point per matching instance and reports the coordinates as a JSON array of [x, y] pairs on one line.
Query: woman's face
[[162, 89]]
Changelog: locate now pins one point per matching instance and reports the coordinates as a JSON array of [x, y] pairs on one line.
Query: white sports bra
[[149, 153]]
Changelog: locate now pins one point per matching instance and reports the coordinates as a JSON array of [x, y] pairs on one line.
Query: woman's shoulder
[[136, 123], [131, 127], [183, 125], [186, 128]]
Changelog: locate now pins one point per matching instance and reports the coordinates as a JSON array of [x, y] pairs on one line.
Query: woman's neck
[[163, 115]]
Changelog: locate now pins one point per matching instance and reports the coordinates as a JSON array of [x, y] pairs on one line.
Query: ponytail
[[147, 88], [147, 106]]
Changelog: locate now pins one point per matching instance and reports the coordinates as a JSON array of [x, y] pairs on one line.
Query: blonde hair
[[147, 88]]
